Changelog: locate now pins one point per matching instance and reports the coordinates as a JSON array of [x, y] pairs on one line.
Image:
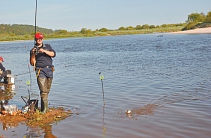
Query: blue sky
[[73, 15]]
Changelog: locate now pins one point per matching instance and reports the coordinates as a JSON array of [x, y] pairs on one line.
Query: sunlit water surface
[[164, 81]]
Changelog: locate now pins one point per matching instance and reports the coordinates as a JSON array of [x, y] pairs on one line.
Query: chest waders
[[44, 86]]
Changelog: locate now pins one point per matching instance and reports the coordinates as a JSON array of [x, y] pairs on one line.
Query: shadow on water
[[167, 98]]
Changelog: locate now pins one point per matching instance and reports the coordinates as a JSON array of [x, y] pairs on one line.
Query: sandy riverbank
[[195, 31]]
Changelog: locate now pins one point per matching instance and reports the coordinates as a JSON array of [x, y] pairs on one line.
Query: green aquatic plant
[[102, 78], [28, 82]]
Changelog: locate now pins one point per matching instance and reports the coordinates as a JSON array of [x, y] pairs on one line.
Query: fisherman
[[3, 72], [43, 54]]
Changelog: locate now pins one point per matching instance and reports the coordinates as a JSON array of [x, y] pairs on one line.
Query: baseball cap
[[38, 35], [1, 58]]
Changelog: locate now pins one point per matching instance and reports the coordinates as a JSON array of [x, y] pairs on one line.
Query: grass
[[92, 34]]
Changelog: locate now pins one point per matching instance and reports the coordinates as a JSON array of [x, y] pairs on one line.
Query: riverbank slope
[[194, 31]]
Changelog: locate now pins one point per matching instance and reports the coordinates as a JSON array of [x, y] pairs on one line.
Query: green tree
[[151, 26], [157, 26], [203, 16], [121, 28], [12, 34], [62, 32], [89, 31], [130, 28], [138, 27], [145, 26], [195, 17], [83, 30], [163, 25], [103, 30], [208, 18]]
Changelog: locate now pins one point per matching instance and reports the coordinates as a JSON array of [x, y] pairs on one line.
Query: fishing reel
[[37, 50]]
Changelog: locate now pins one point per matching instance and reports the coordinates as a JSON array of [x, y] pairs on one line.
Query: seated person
[[3, 72]]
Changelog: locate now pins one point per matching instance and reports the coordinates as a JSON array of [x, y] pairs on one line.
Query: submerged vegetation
[[42, 123], [26, 32]]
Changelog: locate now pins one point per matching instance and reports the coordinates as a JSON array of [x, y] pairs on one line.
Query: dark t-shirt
[[42, 59], [2, 68]]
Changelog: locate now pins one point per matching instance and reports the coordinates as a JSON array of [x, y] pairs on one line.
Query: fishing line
[[21, 74], [34, 44], [63, 66], [28, 68]]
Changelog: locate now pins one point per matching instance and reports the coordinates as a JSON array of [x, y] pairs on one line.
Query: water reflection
[[9, 125], [38, 132], [6, 91], [38, 125], [104, 128]]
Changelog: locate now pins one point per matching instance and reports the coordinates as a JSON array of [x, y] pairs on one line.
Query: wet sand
[[195, 31]]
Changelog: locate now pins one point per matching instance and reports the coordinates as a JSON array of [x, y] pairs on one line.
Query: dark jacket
[[2, 68], [42, 59]]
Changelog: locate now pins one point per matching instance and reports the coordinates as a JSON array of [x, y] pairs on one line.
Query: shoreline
[[195, 31], [14, 40]]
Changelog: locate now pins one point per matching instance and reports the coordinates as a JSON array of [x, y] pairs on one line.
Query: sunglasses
[[40, 39]]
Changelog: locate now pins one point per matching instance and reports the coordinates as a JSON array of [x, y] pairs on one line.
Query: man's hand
[[50, 53], [42, 50], [33, 50]]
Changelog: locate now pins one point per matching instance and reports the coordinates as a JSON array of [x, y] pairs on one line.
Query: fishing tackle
[[32, 58]]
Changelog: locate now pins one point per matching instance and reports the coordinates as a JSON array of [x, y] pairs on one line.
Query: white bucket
[[12, 80]]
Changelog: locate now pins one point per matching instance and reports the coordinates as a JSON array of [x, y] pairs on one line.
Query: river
[[165, 80]]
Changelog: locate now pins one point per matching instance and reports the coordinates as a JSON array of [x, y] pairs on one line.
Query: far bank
[[8, 38]]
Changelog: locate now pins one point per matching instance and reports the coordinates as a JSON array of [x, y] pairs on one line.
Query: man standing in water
[[44, 69]]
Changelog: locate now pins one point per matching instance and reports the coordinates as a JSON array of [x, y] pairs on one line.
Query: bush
[[103, 30], [152, 26], [121, 28], [138, 27], [190, 25]]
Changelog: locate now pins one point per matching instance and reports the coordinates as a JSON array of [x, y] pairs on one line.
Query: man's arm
[[50, 53], [2, 67]]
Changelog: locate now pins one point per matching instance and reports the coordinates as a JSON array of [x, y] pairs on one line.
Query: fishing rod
[[35, 22]]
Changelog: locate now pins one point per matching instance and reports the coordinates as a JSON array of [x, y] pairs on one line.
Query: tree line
[[20, 29], [198, 20], [137, 27], [26, 32]]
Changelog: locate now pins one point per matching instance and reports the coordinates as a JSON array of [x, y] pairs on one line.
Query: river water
[[164, 80]]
